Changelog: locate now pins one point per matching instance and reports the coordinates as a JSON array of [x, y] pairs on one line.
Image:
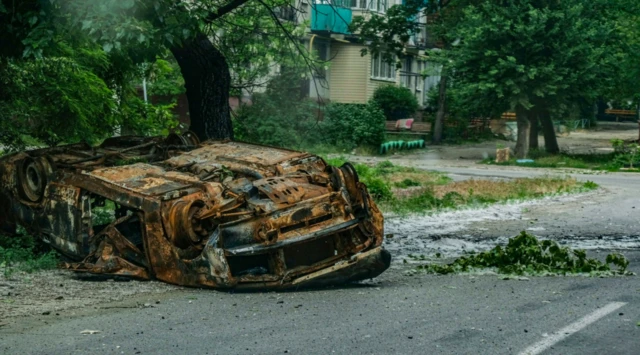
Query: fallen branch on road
[[526, 255]]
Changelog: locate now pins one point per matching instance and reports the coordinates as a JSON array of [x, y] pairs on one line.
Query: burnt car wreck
[[216, 214]]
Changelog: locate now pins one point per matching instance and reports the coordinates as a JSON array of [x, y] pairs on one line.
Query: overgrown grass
[[526, 255], [409, 190], [25, 253]]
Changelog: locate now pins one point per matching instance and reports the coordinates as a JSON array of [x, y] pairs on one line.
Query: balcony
[[287, 13], [330, 18], [421, 39]]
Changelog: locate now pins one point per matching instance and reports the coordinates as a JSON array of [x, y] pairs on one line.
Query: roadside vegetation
[[24, 253], [404, 190], [527, 255], [625, 157]]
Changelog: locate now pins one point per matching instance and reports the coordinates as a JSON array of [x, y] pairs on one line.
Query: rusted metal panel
[[218, 214]]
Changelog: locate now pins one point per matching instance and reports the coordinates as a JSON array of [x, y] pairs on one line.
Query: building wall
[[349, 74]]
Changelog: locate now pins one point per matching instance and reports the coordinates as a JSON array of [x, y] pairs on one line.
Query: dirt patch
[[50, 292]]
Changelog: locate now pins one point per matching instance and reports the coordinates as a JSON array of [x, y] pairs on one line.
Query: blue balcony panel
[[328, 18]]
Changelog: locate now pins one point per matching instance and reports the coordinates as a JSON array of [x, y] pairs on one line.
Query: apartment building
[[350, 77]]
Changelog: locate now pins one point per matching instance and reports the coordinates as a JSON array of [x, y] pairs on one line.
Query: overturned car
[[219, 214]]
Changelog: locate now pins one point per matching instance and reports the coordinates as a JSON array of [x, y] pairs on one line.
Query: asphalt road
[[396, 313]]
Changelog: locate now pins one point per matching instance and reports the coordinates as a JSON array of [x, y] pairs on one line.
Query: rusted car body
[[216, 214]]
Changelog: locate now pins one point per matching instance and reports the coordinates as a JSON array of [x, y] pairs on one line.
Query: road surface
[[395, 313]]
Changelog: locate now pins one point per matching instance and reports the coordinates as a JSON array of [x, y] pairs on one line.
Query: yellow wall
[[349, 74], [350, 79]]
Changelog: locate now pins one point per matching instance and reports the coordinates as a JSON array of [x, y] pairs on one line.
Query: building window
[[381, 69], [373, 5], [406, 74]]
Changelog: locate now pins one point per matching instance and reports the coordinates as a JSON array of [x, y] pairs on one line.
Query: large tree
[[537, 56], [218, 45]]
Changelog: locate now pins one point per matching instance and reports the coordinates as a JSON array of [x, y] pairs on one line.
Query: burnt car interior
[[214, 214]]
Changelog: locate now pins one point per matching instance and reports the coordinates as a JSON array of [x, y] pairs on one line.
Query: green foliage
[[626, 154], [386, 34], [24, 253], [378, 187], [407, 183], [526, 255], [53, 100], [279, 117], [249, 37], [352, 125], [426, 201], [140, 118], [108, 47], [396, 102], [590, 185], [165, 78], [536, 53]]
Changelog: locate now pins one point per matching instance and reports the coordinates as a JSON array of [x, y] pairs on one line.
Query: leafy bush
[[63, 99], [396, 102], [281, 116], [352, 125], [526, 255], [52, 100], [268, 121]]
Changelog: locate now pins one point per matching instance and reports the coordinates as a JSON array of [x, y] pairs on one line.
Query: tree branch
[[224, 10]]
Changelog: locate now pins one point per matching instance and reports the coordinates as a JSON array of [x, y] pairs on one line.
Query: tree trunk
[[533, 131], [550, 141], [207, 80], [439, 123], [522, 143]]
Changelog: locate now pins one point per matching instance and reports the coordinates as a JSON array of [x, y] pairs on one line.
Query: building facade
[[350, 77]]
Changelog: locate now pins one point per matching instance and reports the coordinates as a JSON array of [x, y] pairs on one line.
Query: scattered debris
[[526, 255], [89, 332], [502, 155]]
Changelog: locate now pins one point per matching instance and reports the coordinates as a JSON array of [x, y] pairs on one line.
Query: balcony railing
[[287, 13], [330, 18], [422, 38]]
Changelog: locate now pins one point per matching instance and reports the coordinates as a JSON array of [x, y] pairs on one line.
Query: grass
[[25, 253], [406, 190], [612, 162], [526, 255]]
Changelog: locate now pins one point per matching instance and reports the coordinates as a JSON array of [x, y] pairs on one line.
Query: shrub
[[280, 117], [626, 154], [268, 122], [396, 102], [352, 125]]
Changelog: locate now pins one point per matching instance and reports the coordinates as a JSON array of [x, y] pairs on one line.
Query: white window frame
[[421, 65], [382, 70], [372, 5]]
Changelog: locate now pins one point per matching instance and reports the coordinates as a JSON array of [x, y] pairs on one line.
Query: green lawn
[[403, 190]]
